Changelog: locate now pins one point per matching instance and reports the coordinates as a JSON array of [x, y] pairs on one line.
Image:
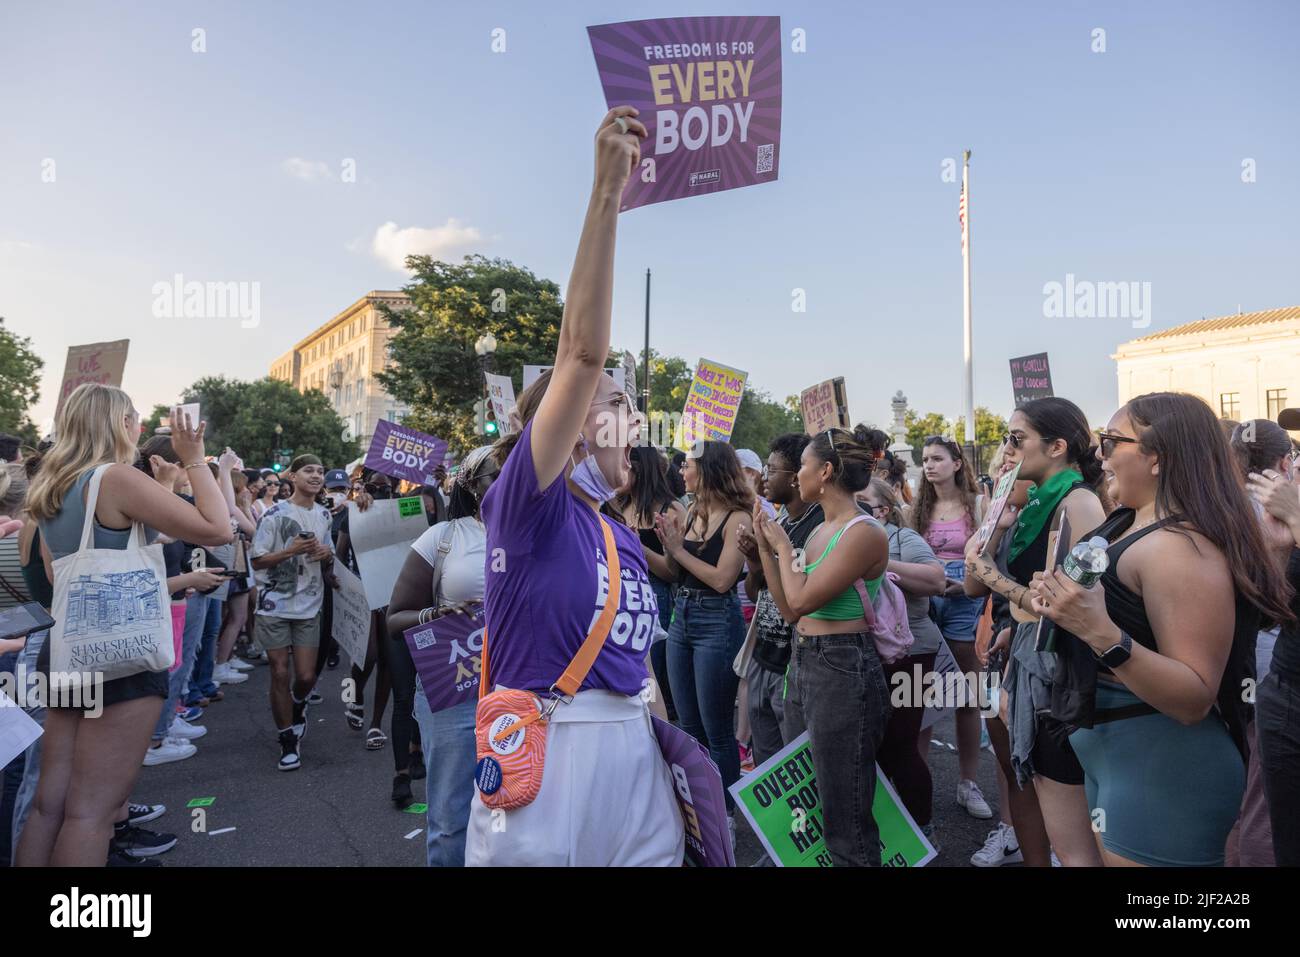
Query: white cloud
[[392, 244], [307, 170]]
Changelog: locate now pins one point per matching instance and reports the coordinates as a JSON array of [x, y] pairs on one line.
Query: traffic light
[[490, 422], [485, 420], [276, 467]]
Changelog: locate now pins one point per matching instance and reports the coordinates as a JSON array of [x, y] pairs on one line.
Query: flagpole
[[969, 383], [645, 360]]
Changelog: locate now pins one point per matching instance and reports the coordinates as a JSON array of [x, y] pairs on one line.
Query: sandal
[[375, 740], [356, 715]]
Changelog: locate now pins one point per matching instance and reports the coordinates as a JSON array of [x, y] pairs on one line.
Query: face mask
[[588, 477]]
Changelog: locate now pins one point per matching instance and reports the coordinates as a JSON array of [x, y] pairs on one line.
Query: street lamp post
[[485, 347]]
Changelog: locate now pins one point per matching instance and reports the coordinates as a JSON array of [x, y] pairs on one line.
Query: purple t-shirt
[[546, 583]]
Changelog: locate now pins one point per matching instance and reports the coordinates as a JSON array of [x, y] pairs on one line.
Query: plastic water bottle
[[1087, 561]]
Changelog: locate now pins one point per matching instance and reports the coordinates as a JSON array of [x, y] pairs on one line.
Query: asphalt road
[[335, 811]]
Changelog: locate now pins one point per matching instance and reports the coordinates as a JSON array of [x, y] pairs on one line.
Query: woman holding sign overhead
[[570, 609]]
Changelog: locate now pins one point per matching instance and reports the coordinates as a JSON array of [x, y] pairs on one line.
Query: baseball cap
[[336, 478], [1289, 419], [749, 459]]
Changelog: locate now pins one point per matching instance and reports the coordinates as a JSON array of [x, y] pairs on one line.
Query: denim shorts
[[956, 617]]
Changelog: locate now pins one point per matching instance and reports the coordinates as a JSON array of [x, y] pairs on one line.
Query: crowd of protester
[[742, 599]]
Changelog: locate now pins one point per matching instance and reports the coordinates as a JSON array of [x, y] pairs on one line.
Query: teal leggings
[[1162, 793]]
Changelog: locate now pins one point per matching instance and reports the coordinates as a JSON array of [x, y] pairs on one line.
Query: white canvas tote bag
[[112, 612]]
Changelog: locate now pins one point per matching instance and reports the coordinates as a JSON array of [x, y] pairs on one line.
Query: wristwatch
[[1116, 655]]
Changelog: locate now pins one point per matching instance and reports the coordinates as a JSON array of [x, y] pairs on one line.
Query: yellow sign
[[710, 413]]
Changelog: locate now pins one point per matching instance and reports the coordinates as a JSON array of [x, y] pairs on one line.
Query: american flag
[[961, 216]]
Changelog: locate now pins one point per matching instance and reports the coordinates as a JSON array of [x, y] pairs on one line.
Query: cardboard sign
[[501, 393], [697, 785], [405, 453], [779, 799], [1058, 546], [711, 404], [381, 538], [448, 656], [946, 672], [622, 378], [709, 93], [1001, 493], [825, 406], [1031, 378], [351, 615], [101, 362]]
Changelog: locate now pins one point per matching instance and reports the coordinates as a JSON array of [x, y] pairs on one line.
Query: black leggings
[[328, 645], [401, 672], [899, 754]]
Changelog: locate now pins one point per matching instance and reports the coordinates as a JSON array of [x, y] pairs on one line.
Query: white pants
[[606, 799]]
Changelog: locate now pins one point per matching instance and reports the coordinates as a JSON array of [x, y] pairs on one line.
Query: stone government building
[[1246, 366]]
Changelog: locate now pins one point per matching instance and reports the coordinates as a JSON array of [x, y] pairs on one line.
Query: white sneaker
[[239, 664], [226, 675], [184, 731], [970, 797], [1000, 848], [170, 750]]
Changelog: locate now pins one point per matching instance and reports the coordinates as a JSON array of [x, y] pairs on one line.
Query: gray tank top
[[62, 533]]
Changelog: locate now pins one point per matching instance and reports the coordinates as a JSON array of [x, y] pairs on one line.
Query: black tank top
[[1034, 558], [38, 586], [709, 552], [1127, 609]]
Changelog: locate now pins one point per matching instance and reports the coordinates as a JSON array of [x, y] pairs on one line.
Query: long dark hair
[[927, 496], [1259, 443], [649, 489], [1199, 480], [721, 482], [1056, 418]]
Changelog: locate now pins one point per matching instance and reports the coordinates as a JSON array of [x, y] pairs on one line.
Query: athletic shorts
[[275, 633]]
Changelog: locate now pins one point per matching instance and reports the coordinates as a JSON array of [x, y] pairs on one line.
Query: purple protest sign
[[405, 453], [709, 93], [448, 654], [697, 786]]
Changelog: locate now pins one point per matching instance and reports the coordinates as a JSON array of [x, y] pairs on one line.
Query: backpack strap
[[868, 608]]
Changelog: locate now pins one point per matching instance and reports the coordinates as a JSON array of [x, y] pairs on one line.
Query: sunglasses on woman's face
[[1014, 439], [1108, 441]]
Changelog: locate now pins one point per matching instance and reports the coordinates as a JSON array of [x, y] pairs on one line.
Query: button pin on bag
[[487, 775]]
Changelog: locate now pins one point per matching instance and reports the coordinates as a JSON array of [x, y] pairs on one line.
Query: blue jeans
[[196, 609], [706, 633], [201, 684], [956, 617], [450, 753], [32, 756]]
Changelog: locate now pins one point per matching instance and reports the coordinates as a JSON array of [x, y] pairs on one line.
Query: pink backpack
[[887, 615]]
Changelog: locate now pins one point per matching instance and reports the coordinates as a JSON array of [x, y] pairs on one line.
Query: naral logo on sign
[[706, 177]]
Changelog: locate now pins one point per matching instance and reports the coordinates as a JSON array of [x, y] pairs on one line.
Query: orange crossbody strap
[[582, 662]]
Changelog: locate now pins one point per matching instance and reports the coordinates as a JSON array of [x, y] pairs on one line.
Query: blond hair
[[90, 431]]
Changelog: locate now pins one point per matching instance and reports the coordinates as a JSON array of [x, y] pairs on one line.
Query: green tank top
[[847, 605]]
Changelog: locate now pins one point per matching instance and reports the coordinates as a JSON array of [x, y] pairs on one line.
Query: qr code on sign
[[764, 162]]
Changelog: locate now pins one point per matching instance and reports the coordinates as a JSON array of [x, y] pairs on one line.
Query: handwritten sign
[[99, 362], [405, 453], [711, 404], [501, 393], [824, 405], [709, 93], [1031, 378], [1001, 493], [351, 615], [448, 656]]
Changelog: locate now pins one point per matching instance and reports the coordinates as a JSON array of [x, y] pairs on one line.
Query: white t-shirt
[[462, 569], [294, 588]]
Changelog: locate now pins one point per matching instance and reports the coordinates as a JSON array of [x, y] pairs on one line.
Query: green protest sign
[[780, 800]]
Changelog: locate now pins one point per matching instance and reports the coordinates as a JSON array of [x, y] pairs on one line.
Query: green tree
[[760, 419], [20, 384], [243, 415], [989, 429], [920, 427], [434, 367]]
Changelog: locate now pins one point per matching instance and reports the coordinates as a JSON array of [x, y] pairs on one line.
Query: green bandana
[[1042, 503]]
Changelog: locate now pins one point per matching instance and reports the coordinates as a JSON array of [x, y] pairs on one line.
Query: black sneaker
[[118, 859], [143, 813], [417, 768], [137, 842], [315, 698], [299, 722], [402, 796], [289, 760], [332, 662]]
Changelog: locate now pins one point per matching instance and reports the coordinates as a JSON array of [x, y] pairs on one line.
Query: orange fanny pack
[[510, 725]]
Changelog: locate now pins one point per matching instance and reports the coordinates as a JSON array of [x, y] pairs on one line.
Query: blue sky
[[1116, 166]]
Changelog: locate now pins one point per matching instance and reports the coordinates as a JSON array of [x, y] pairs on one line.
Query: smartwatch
[[1116, 655]]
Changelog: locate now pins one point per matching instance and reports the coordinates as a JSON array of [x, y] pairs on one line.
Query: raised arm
[[584, 330]]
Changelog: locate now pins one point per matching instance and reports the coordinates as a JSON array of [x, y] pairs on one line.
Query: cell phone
[[306, 534], [22, 620], [229, 573]]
